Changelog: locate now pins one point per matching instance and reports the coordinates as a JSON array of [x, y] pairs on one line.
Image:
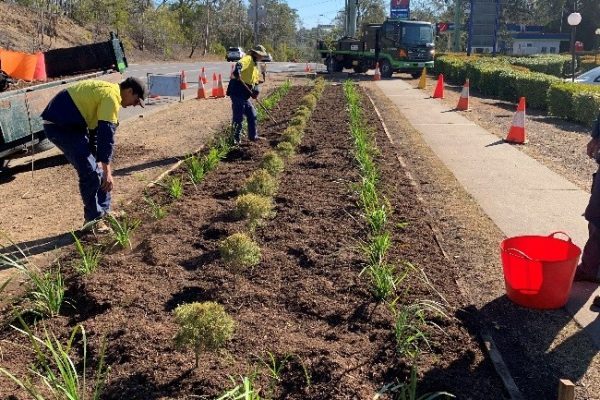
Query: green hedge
[[555, 65], [574, 101], [500, 77]]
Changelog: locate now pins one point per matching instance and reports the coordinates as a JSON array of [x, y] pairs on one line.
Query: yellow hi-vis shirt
[[97, 101], [250, 73]]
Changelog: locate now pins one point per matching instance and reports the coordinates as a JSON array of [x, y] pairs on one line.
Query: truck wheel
[[3, 165], [43, 145], [334, 65], [386, 69], [415, 75]]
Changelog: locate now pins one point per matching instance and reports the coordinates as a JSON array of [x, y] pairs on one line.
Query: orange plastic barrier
[[19, 65]]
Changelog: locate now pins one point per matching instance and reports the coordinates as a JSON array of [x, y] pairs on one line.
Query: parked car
[[235, 53], [591, 77], [268, 58]]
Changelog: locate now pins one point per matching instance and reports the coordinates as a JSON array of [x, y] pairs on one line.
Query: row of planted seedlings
[[255, 204], [60, 371], [389, 279]]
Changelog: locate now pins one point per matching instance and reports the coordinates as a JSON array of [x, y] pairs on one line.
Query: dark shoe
[[257, 139], [582, 276]]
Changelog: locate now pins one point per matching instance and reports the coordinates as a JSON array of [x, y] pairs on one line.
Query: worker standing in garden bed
[[81, 121], [589, 268], [245, 84]]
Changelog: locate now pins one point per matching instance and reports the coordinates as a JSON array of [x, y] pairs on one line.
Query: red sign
[[442, 26], [400, 3]]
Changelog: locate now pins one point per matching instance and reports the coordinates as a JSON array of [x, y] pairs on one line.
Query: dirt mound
[[20, 29]]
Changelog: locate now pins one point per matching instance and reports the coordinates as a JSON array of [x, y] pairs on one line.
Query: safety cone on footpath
[[439, 88], [215, 85], [377, 76], [201, 90], [220, 91], [423, 79], [463, 102], [516, 134], [184, 84], [203, 77]]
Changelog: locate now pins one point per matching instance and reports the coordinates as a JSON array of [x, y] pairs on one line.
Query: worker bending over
[[81, 121]]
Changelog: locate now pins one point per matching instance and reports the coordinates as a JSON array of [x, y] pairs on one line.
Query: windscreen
[[417, 34]]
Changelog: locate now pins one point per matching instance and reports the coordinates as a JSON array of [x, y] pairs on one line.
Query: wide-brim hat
[[260, 50]]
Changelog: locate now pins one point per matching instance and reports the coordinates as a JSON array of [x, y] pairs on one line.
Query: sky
[[314, 12]]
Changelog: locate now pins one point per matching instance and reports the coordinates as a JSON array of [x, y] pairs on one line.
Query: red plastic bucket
[[539, 270]]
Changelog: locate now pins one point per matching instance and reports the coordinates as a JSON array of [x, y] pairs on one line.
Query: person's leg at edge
[[75, 147], [589, 267]]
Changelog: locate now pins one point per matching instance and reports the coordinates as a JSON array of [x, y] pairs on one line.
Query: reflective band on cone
[[517, 134]]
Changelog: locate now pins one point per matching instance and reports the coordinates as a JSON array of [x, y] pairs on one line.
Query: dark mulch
[[304, 301]]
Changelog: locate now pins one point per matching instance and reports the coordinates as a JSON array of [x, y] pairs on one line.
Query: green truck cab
[[397, 45], [21, 126]]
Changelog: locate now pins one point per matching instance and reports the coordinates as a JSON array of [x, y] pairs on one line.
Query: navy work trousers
[[240, 107], [590, 259], [75, 144]]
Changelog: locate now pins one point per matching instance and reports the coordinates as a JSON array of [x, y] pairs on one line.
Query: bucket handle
[[553, 234], [518, 253]]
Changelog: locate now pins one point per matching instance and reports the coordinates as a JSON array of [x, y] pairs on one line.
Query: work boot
[[96, 226], [583, 276]]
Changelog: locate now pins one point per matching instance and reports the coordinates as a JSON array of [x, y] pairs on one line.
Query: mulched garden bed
[[304, 301]]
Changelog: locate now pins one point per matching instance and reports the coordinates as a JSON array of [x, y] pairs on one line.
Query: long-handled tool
[[258, 101]]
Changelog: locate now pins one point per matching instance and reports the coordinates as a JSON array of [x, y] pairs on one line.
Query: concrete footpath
[[521, 196]]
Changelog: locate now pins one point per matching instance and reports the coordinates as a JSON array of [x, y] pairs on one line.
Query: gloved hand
[[254, 94]]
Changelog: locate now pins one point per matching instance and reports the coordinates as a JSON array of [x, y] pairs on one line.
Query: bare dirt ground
[[556, 143], [38, 211], [539, 347]]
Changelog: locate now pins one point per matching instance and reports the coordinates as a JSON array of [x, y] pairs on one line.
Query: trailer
[[395, 45], [21, 126]]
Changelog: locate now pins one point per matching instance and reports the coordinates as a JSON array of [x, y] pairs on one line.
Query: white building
[[526, 43]]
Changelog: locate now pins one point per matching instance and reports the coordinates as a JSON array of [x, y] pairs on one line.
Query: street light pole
[[597, 45], [574, 19]]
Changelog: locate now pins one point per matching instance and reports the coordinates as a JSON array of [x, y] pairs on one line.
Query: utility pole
[[457, 15], [256, 23]]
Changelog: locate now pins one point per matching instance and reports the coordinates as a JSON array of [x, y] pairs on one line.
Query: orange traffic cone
[[40, 68], [220, 91], [377, 76], [203, 77], [517, 129], [215, 85], [184, 84], [463, 102], [439, 89], [423, 79], [201, 90]]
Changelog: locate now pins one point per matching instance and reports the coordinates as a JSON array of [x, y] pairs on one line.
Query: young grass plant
[[156, 210], [195, 169], [410, 322], [385, 279], [275, 365], [261, 183], [89, 257], [285, 149], [408, 390], [202, 327], [272, 163], [254, 208], [47, 289], [246, 390], [239, 250], [175, 187], [377, 247], [123, 229], [55, 373]]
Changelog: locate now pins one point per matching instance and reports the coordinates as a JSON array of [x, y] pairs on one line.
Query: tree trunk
[[205, 50], [192, 52]]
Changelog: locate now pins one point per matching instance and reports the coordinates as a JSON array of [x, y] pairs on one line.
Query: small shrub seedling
[[202, 327], [90, 257], [123, 229], [272, 163], [240, 251], [254, 208], [285, 149], [261, 183]]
